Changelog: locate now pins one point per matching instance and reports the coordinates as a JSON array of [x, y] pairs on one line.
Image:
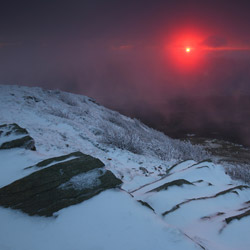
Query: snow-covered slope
[[61, 123], [202, 201], [144, 159]]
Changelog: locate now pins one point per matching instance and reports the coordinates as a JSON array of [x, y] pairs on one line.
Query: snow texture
[[86, 180], [62, 123]]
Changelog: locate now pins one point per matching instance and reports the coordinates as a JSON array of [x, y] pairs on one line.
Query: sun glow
[[184, 50]]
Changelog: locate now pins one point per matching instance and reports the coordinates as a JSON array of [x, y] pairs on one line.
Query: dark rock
[[31, 98], [212, 216], [58, 186], [198, 181], [202, 167], [165, 186], [144, 170], [227, 191], [19, 137], [231, 190], [146, 205], [24, 142], [14, 128], [59, 158], [171, 210], [238, 216]]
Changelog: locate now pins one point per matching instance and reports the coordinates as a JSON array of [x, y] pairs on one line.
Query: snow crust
[[111, 220]]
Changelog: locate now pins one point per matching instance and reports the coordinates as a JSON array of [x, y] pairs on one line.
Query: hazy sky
[[127, 54]]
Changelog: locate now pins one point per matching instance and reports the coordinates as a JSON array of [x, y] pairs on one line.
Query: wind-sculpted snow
[[201, 200], [85, 180]]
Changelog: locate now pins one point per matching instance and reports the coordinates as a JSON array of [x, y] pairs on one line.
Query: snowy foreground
[[185, 200]]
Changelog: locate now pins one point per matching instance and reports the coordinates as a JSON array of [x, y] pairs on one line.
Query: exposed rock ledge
[[13, 136], [62, 181]]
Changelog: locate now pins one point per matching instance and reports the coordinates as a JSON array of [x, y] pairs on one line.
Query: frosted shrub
[[139, 124], [121, 137], [116, 119], [79, 111], [58, 112], [190, 151], [68, 99], [239, 172], [138, 138]]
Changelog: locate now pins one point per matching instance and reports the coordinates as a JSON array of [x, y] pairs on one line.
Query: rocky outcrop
[[58, 184], [238, 216], [54, 160], [13, 136]]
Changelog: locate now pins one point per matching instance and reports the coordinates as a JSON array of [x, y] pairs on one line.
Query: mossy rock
[[50, 189]]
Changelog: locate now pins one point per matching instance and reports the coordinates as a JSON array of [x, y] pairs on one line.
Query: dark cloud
[[215, 41]]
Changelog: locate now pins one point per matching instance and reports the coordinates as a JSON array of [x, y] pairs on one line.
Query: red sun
[[184, 51]]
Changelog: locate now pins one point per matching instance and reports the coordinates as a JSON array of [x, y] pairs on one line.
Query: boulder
[[59, 185], [13, 136]]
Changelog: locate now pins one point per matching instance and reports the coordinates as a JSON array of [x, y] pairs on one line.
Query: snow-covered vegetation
[[240, 171], [185, 202], [95, 122], [136, 137]]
